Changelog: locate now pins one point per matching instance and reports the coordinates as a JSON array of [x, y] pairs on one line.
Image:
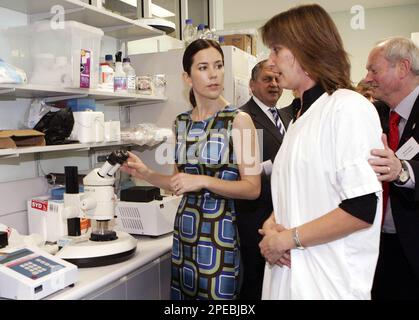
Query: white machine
[[48, 218], [102, 246], [30, 273], [152, 218]]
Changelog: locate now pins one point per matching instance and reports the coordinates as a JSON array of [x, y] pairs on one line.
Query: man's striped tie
[[278, 122]]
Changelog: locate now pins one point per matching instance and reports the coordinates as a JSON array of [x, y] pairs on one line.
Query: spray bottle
[[120, 78]]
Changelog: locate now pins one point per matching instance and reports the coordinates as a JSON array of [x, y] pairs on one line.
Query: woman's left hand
[[273, 245], [183, 182]]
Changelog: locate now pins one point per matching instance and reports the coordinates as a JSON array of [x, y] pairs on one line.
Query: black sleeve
[[363, 207]]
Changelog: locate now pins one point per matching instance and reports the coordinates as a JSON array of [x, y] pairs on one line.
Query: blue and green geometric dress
[[205, 255]]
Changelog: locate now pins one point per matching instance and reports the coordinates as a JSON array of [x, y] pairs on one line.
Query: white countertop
[[91, 279]]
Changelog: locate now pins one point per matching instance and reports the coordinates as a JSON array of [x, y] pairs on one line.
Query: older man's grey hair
[[399, 48]]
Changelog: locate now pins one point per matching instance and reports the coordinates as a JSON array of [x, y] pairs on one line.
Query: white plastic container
[[89, 126], [51, 54], [112, 131]]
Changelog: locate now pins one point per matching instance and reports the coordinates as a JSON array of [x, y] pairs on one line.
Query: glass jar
[[159, 83], [144, 84]]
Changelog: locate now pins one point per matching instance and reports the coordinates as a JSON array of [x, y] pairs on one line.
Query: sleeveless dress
[[205, 253]]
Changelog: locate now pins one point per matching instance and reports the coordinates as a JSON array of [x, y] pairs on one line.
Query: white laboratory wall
[[154, 44], [13, 201], [161, 114], [379, 24]]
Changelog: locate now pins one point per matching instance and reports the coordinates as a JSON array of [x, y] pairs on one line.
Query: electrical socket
[[100, 156]]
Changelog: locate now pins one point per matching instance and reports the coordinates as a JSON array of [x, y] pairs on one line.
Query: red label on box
[[39, 205]]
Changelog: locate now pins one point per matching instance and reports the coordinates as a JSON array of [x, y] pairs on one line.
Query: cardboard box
[[245, 42], [21, 138]]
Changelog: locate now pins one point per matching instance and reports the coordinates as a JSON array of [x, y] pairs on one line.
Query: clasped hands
[[273, 245]]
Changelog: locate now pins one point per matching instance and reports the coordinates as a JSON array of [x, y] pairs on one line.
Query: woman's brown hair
[[311, 35], [191, 50]]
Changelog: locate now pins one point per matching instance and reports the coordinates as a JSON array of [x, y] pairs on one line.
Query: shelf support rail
[[6, 91], [61, 98]]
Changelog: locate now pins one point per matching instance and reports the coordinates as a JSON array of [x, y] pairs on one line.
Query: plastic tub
[[56, 55]]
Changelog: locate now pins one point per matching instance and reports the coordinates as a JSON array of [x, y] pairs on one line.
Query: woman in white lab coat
[[321, 242]]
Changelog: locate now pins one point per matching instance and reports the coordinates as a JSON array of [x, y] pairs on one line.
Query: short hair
[[311, 35], [400, 48], [257, 69]]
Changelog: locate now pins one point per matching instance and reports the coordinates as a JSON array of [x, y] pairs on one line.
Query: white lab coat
[[323, 161]]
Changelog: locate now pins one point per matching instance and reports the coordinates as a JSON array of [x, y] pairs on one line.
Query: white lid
[[46, 25]]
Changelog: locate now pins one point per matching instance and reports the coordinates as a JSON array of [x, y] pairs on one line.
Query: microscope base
[[86, 253]]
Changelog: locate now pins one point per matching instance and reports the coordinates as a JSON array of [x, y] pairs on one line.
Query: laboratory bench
[[144, 276]]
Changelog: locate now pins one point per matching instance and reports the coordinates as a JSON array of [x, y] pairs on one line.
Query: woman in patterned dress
[[216, 161]]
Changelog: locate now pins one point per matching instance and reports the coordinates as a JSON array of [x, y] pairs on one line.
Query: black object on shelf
[[140, 194], [3, 239]]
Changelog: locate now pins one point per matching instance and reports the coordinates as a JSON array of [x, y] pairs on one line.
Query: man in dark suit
[[272, 122], [393, 73]]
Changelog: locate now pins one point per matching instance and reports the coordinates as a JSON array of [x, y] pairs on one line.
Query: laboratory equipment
[[102, 245], [48, 218], [30, 273], [153, 218]]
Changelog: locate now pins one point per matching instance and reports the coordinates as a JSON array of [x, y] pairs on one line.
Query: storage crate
[[50, 54]]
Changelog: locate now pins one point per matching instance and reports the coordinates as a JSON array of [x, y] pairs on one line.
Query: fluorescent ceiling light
[[156, 10]]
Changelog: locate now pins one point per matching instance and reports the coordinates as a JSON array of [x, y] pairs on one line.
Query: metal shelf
[[113, 25], [30, 91], [6, 153]]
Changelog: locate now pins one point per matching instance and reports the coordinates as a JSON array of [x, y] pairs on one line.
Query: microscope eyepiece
[[118, 156], [113, 162]]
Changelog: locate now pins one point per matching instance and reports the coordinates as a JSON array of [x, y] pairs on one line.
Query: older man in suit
[[272, 122], [393, 73]]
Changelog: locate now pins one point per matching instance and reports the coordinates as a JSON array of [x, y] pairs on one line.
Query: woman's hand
[[135, 167], [269, 224], [181, 183], [274, 245]]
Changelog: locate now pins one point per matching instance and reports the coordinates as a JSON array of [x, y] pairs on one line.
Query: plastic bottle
[[120, 78], [131, 76], [107, 70], [189, 32], [207, 33], [214, 35], [200, 32], [106, 77], [109, 61]]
